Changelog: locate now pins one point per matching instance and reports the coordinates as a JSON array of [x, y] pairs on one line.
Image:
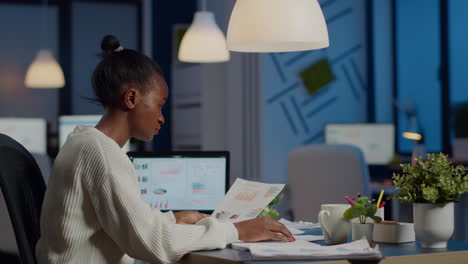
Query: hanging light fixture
[[203, 42], [44, 71], [276, 26]]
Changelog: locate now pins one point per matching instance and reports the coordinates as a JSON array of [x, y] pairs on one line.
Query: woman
[[92, 211]]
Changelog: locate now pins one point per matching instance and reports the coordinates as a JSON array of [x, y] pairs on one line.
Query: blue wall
[[418, 61], [458, 53], [382, 59], [292, 117]]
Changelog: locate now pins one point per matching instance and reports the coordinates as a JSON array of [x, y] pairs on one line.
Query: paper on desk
[[294, 231], [246, 245], [245, 200], [299, 225], [309, 237], [305, 250]]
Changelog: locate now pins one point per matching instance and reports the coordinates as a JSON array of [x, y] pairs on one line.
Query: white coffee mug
[[335, 228]]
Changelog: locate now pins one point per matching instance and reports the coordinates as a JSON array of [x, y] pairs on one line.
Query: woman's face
[[147, 118]]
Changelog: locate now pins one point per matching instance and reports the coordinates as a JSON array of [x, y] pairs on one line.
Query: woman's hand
[[189, 217], [263, 228]]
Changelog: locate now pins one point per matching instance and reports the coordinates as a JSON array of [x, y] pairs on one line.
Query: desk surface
[[228, 255]]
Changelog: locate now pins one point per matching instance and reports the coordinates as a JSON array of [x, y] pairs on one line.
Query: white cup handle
[[322, 221]]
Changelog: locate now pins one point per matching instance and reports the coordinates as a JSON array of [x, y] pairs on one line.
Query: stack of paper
[[299, 249]]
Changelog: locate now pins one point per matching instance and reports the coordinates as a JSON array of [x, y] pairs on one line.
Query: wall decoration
[[317, 76]]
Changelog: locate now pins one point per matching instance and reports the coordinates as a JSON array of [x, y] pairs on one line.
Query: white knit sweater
[[92, 211]]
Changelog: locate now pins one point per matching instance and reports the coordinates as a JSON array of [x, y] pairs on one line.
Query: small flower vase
[[433, 224], [359, 231]]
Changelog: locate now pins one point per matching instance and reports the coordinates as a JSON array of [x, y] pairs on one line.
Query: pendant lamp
[[203, 42], [277, 26], [44, 71]]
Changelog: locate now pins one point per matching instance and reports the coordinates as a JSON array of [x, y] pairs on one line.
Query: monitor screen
[[377, 141], [66, 125], [29, 132], [179, 181]]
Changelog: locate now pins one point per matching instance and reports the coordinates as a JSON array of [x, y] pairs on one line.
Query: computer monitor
[[66, 125], [377, 141], [29, 132], [183, 180]]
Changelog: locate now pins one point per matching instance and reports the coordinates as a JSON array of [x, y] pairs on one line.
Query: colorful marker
[[349, 200], [380, 198]]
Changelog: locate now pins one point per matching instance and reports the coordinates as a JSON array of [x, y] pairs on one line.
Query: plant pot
[[433, 224], [359, 231]]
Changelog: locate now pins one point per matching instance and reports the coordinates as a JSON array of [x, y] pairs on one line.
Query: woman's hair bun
[[109, 43]]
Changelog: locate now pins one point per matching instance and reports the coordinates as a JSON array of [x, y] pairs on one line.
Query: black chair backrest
[[23, 188]]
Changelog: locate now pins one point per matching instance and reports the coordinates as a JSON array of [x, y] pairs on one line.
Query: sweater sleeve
[[144, 233]]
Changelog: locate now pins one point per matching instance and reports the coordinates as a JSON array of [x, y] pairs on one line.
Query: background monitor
[[176, 181], [29, 132], [66, 125], [377, 141]]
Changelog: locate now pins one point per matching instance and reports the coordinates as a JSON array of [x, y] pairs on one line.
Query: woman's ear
[[131, 98]]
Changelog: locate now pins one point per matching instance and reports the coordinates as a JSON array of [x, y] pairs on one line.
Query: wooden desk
[[456, 252]]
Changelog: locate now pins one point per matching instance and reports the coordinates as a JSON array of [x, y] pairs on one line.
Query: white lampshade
[[204, 41], [277, 26], [44, 72]]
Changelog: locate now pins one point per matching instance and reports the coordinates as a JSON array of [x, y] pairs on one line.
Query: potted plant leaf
[[362, 209], [460, 125], [432, 185], [270, 210]]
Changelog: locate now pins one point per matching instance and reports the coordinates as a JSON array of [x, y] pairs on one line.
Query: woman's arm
[[148, 234]]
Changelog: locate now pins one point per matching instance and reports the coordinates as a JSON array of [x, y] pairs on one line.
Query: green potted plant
[[432, 185], [362, 209], [270, 210], [460, 125]]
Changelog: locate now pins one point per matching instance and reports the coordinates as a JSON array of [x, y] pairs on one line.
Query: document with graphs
[[245, 200]]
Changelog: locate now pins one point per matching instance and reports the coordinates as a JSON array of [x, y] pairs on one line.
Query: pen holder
[[380, 213]]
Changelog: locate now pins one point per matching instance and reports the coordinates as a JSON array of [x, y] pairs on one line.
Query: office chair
[[324, 174], [23, 188]]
